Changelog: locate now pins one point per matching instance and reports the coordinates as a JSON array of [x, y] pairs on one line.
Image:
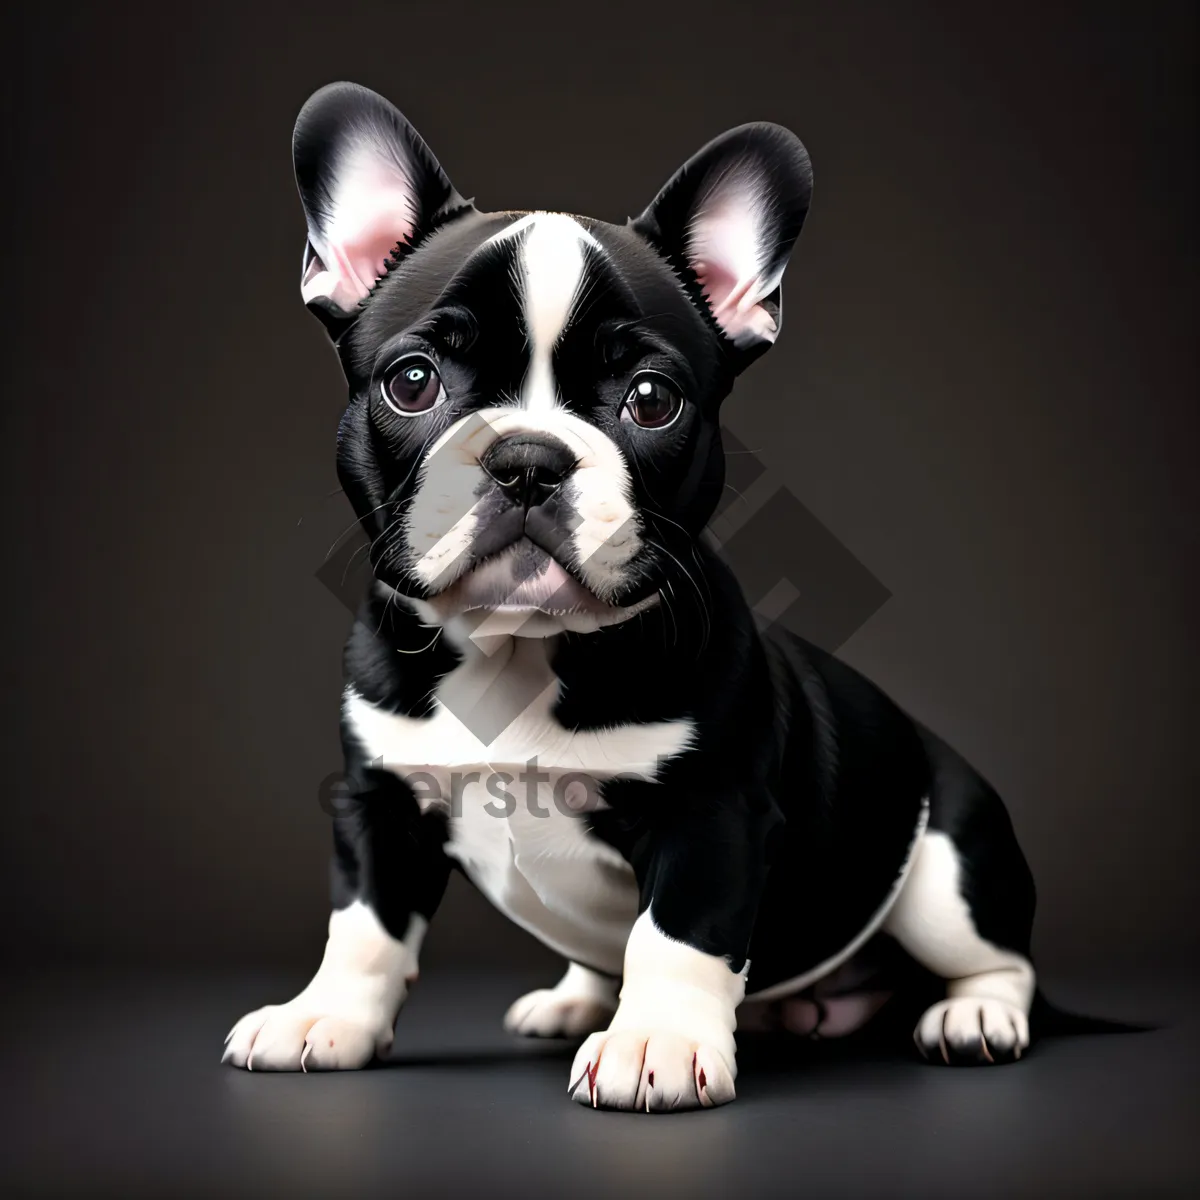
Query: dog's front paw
[[548, 1013], [652, 1071], [966, 1031], [300, 1036]]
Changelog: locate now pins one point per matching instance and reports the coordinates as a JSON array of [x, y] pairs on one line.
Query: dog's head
[[533, 418]]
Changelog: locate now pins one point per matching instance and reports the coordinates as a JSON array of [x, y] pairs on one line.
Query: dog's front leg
[[670, 1044], [389, 873]]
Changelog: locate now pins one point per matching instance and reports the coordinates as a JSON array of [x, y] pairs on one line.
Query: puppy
[[557, 687]]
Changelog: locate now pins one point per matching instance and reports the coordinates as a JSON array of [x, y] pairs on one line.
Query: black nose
[[528, 466]]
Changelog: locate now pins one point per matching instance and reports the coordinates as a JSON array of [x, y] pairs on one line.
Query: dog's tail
[[1048, 1020]]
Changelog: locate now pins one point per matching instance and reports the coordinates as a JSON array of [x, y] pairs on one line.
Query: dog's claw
[[972, 1031], [650, 1072]]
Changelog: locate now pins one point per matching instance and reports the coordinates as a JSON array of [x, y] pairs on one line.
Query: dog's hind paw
[[970, 1031], [649, 1072]]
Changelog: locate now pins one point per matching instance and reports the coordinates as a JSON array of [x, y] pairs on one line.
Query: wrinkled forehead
[[532, 278]]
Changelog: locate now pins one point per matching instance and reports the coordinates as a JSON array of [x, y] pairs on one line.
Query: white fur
[[668, 984], [533, 858], [670, 1043], [549, 270], [987, 988], [964, 1023], [932, 921], [525, 622], [347, 1013], [580, 1002], [440, 523]]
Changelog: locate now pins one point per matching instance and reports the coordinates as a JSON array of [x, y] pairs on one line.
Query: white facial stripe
[[550, 271]]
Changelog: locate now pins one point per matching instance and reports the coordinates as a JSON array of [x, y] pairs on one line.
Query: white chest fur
[[514, 782]]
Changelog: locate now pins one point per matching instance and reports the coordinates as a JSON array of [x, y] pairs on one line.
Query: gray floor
[[112, 1087]]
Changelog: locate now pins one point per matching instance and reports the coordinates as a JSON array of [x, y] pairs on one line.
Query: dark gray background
[[985, 389]]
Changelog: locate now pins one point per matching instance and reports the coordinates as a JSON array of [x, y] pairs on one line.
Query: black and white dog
[[557, 685]]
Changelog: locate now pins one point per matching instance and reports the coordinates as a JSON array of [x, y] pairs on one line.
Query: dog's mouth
[[522, 577], [525, 582]]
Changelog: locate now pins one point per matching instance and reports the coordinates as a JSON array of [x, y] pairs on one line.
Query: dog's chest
[[515, 785]]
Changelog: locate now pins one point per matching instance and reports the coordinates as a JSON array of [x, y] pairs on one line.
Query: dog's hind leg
[[966, 913]]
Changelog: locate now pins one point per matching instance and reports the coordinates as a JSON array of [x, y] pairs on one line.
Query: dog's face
[[532, 433]]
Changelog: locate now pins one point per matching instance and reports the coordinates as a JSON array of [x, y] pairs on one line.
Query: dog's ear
[[368, 184], [729, 217]]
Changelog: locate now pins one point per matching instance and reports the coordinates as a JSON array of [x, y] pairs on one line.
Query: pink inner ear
[[734, 304], [725, 249], [371, 211]]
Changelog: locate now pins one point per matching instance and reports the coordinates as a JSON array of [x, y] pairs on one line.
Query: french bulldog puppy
[[557, 686]]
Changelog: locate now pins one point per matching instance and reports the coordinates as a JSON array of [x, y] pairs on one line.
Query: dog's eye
[[413, 386], [651, 403]]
